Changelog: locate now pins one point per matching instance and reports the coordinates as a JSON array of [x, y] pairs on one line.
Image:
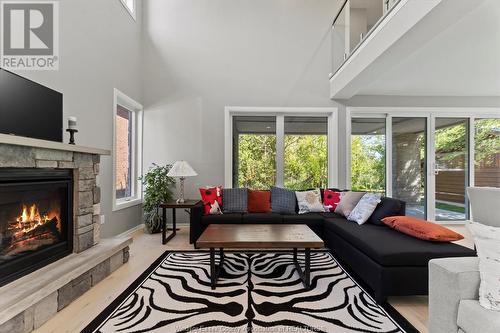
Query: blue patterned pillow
[[283, 201], [234, 200]]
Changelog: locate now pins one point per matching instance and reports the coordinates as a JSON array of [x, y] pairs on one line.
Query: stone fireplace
[[50, 217]]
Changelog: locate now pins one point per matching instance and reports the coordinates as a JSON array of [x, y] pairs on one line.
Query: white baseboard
[[130, 231]]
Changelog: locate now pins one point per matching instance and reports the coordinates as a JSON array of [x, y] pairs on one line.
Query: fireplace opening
[[36, 219]]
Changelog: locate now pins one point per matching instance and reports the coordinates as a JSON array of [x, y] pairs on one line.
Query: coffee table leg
[[305, 275], [307, 269], [215, 270], [221, 260], [213, 278]]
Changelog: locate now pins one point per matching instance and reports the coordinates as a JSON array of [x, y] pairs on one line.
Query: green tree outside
[[306, 157]]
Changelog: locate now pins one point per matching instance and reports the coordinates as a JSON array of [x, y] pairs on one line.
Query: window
[[291, 147], [306, 152], [368, 154], [254, 142], [130, 7], [487, 152], [127, 150]]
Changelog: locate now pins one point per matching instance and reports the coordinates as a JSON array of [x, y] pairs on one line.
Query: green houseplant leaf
[[157, 189]]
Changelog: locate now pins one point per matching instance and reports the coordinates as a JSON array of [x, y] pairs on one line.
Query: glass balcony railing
[[353, 23]]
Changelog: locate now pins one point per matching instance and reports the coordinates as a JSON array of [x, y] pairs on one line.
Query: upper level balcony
[[416, 47], [355, 20]]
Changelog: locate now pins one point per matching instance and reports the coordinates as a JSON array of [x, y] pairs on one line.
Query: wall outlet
[[103, 219]]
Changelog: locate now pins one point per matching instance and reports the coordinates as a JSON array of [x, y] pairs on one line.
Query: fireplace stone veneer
[[29, 301], [87, 193]]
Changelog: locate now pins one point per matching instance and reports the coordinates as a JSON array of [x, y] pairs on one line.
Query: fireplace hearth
[[36, 219], [51, 251]]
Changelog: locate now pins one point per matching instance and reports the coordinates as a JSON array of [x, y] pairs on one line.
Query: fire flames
[[31, 230], [30, 219]]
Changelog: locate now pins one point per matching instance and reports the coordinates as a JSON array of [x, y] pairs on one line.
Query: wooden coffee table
[[260, 236]]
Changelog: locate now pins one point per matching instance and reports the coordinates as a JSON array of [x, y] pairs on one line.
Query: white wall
[[201, 56], [100, 49]]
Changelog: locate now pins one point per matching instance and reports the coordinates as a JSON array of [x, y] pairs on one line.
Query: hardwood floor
[[145, 249]]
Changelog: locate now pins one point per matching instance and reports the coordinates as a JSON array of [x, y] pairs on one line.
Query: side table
[[187, 204]]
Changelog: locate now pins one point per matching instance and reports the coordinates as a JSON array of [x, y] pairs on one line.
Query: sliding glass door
[[409, 163], [451, 168], [426, 158]]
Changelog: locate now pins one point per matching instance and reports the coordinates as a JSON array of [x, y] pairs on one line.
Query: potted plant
[[158, 189]]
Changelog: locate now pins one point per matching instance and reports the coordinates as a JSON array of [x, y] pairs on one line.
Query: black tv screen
[[29, 109]]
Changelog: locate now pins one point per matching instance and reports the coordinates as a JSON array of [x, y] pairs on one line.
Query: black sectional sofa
[[388, 262]]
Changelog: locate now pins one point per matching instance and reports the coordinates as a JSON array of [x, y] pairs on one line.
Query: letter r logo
[[28, 28]]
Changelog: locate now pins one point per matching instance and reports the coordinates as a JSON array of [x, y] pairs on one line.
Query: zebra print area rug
[[256, 292]]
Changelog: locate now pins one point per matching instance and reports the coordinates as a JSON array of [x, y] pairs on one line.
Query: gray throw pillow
[[283, 201], [234, 200], [348, 201]]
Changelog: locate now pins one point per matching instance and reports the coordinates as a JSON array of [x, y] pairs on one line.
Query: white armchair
[[454, 282], [485, 205]]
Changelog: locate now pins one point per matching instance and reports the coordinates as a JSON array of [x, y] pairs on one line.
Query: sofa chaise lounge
[[388, 262]]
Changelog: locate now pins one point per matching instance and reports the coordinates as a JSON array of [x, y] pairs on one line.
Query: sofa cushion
[[472, 317], [309, 201], [331, 199], [391, 248], [234, 200], [332, 215], [348, 201], [421, 229], [283, 201], [313, 220], [386, 207], [364, 208], [308, 218], [212, 199], [262, 218], [259, 201], [229, 218]]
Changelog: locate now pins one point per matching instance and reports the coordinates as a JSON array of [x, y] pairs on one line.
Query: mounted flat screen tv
[[29, 109]]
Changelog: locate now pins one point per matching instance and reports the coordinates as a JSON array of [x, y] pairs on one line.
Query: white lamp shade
[[181, 169]]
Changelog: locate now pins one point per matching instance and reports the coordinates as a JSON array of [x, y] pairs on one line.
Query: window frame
[[133, 11], [119, 98], [430, 113], [280, 113]]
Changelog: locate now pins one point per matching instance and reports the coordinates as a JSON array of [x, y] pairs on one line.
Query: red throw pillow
[[212, 200], [331, 199], [259, 201], [421, 229]]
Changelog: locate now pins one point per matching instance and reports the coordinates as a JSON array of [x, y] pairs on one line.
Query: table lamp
[[181, 170]]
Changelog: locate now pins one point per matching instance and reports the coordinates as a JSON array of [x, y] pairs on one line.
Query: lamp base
[[181, 192]]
